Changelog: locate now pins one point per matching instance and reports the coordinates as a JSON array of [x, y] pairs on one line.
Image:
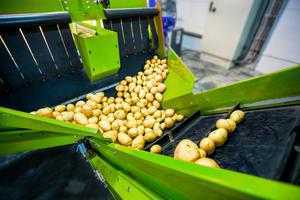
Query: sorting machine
[[54, 52]]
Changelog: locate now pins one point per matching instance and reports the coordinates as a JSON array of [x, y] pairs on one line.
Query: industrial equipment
[[40, 66]]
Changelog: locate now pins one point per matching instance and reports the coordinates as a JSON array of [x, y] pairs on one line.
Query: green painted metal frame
[[276, 89], [79, 10], [180, 85], [121, 184], [27, 140], [22, 131], [100, 53]]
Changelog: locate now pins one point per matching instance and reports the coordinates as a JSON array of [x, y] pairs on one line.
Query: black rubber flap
[[22, 20], [132, 12]]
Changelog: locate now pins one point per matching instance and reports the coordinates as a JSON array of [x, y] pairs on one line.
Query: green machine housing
[[40, 66]]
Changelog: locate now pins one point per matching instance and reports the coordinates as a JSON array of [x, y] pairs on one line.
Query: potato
[[163, 126], [132, 132], [148, 123], [237, 116], [149, 135], [218, 136], [141, 130], [169, 122], [169, 112], [54, 114], [138, 142], [128, 79], [93, 120], [100, 94], [174, 117], [156, 149], [115, 125], [202, 153], [179, 118], [77, 109], [186, 150], [157, 114], [151, 110], [126, 107], [118, 106], [144, 112], [67, 116], [149, 97], [158, 97], [154, 90], [96, 112], [207, 162], [207, 145], [113, 134], [45, 112], [161, 87], [80, 103], [104, 125], [70, 107], [123, 129], [229, 125], [93, 104], [118, 100], [131, 124], [60, 108], [59, 117], [123, 82], [124, 139], [86, 110], [120, 88], [142, 94], [120, 114], [103, 99], [80, 118], [138, 115], [106, 110], [95, 98], [89, 95], [158, 132], [156, 104], [232, 125], [92, 126], [110, 118]]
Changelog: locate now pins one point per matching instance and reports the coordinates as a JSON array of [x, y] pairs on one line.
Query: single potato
[[186, 150], [218, 136], [156, 149], [138, 142], [237, 116], [207, 162], [124, 139], [207, 145]]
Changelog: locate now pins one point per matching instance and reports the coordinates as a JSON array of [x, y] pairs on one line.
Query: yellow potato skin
[[207, 162], [186, 150], [237, 116]]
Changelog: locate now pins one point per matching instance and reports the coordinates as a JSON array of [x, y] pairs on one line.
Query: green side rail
[[280, 88], [21, 131]]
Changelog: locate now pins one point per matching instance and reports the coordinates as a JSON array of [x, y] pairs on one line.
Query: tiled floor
[[210, 76]]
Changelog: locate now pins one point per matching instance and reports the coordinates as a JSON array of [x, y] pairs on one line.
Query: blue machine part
[[168, 25]]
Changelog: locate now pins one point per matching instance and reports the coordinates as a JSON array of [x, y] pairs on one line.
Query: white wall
[[191, 15], [283, 47]]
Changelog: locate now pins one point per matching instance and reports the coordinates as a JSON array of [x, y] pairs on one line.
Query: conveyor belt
[[260, 146]]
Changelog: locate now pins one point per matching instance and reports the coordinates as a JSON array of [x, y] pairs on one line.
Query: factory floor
[[210, 75]]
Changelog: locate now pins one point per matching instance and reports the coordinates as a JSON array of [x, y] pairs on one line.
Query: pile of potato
[[133, 117], [187, 150]]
